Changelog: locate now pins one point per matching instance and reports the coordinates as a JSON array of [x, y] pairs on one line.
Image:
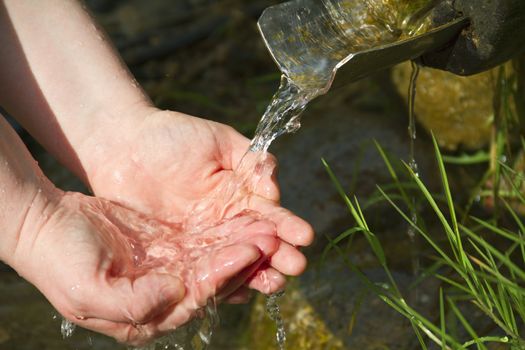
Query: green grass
[[480, 261], [473, 270]]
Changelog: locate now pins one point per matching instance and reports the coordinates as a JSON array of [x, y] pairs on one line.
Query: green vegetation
[[482, 262], [478, 258]]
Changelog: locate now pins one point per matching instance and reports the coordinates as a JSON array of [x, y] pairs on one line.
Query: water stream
[[412, 132], [282, 116]]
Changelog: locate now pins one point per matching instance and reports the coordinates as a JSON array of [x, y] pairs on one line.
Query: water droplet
[[67, 328]]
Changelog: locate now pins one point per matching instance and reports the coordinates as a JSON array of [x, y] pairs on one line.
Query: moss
[[305, 330]]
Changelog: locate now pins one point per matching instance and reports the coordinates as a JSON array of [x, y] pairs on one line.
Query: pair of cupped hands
[[124, 263]]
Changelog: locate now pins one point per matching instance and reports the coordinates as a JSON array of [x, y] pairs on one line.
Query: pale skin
[[66, 85]]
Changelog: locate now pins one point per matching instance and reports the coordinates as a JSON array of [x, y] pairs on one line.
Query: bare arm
[[24, 194], [63, 81]]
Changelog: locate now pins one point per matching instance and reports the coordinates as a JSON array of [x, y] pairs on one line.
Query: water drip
[[412, 127], [274, 312], [67, 328], [412, 132]]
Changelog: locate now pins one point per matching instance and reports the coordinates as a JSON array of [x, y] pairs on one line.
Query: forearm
[[25, 195], [63, 81]]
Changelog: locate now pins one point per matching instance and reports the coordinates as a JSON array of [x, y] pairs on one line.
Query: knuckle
[[138, 314]]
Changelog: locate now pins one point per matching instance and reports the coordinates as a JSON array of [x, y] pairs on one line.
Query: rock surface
[[459, 110], [330, 308]]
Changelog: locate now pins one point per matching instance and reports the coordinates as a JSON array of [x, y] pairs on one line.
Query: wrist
[[29, 208], [114, 132]]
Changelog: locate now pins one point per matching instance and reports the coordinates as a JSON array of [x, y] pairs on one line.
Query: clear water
[[67, 328], [274, 312], [282, 116], [195, 335], [412, 132], [412, 127]]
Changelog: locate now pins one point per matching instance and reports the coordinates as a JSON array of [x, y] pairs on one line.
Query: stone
[[458, 110], [345, 139], [330, 308]]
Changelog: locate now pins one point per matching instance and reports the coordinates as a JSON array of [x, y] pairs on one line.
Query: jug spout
[[319, 43]]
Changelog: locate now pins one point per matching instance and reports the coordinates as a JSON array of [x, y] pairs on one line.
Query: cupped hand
[[181, 169], [118, 272]]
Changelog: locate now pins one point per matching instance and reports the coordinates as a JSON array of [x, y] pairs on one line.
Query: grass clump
[[480, 262]]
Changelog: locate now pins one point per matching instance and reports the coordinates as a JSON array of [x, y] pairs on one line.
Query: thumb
[[134, 301]]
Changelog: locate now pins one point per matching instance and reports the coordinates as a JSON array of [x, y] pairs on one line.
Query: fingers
[[248, 229], [125, 300], [125, 333], [123, 308], [267, 281], [240, 296], [211, 274], [288, 260], [260, 168], [263, 170], [233, 147], [149, 307], [290, 228]]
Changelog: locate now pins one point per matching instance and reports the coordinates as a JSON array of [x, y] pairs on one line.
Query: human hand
[[117, 272], [170, 163]]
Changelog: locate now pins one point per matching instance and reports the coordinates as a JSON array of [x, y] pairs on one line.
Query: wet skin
[[117, 271], [146, 277], [145, 166], [198, 159]]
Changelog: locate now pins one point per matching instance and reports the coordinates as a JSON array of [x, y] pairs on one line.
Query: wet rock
[[330, 308], [29, 322], [101, 6], [345, 139], [459, 110]]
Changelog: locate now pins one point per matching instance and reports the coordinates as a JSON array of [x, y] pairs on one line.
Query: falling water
[[195, 335], [412, 132], [274, 312], [282, 116], [67, 328], [412, 127]]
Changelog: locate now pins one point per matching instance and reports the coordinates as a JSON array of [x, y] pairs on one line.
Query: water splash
[[274, 312], [283, 114], [67, 328], [196, 335]]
